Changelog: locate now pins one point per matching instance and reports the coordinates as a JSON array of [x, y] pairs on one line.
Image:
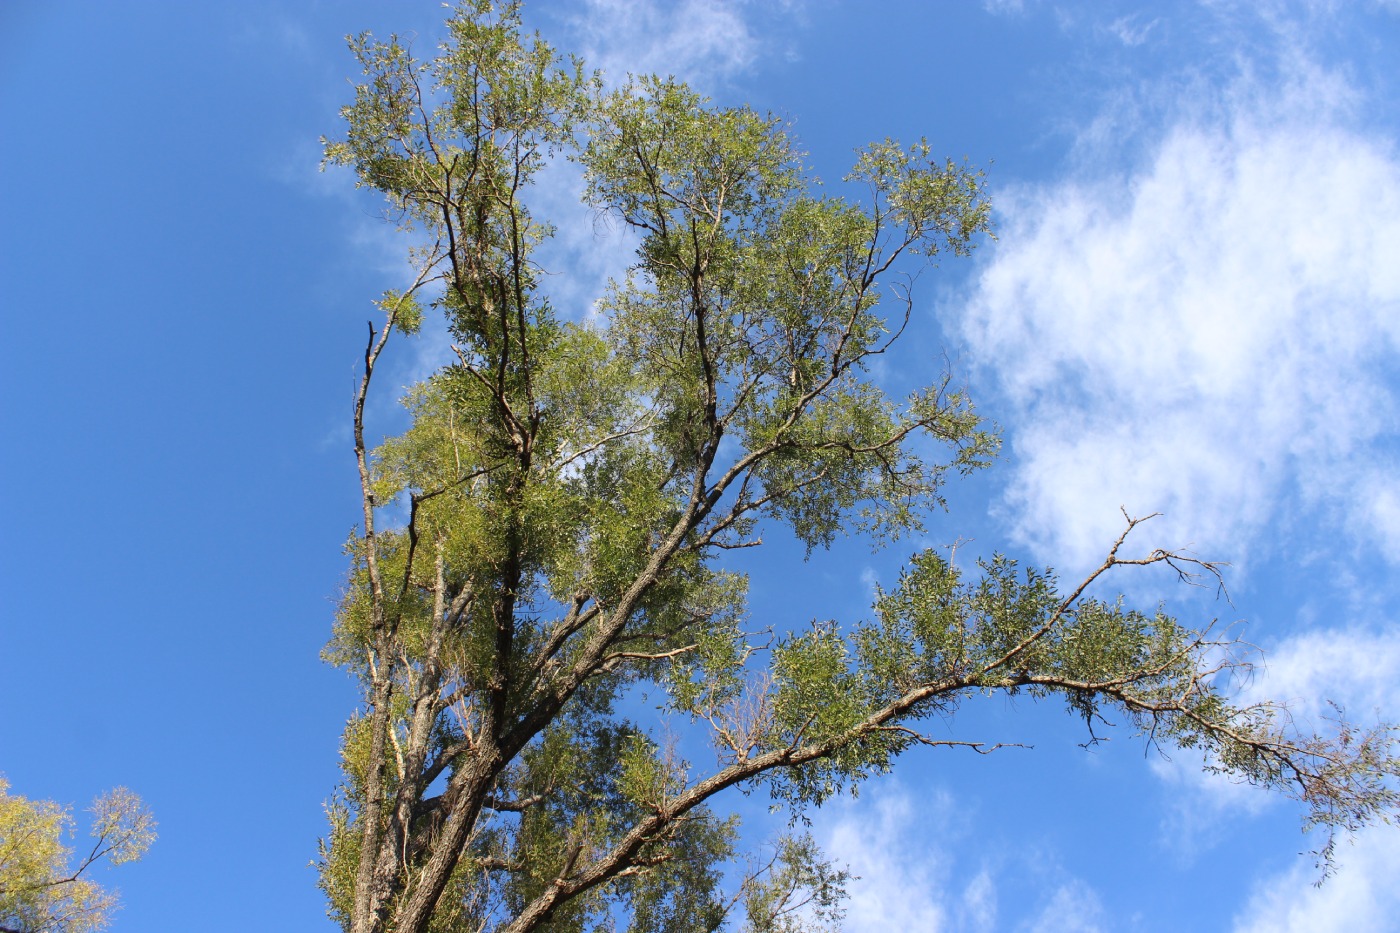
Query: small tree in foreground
[[576, 493], [42, 890]]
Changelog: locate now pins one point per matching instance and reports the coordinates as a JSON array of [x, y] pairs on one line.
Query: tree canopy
[[42, 890], [565, 520]]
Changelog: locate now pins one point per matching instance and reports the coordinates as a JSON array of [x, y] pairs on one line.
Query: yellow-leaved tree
[[42, 888]]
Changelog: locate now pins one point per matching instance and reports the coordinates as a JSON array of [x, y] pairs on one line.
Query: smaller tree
[[42, 890]]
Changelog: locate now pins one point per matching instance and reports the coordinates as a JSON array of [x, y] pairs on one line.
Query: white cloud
[[588, 248], [1363, 896], [1212, 335], [1359, 669], [902, 881], [910, 854], [700, 41]]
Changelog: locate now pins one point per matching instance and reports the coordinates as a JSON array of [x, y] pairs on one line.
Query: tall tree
[[573, 493], [42, 889]]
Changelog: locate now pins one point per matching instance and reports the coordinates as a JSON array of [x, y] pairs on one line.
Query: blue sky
[[1193, 306]]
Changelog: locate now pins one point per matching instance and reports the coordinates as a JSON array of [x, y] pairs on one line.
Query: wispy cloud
[[1072, 908], [1315, 672], [1132, 30], [705, 42], [1363, 896], [921, 865], [1004, 7], [901, 880], [588, 247]]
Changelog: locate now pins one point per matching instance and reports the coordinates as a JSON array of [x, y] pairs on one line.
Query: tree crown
[[576, 486]]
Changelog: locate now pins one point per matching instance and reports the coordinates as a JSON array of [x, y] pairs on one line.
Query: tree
[[41, 889], [574, 496]]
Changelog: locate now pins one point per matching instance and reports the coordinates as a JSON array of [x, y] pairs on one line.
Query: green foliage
[[572, 488], [42, 888]]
